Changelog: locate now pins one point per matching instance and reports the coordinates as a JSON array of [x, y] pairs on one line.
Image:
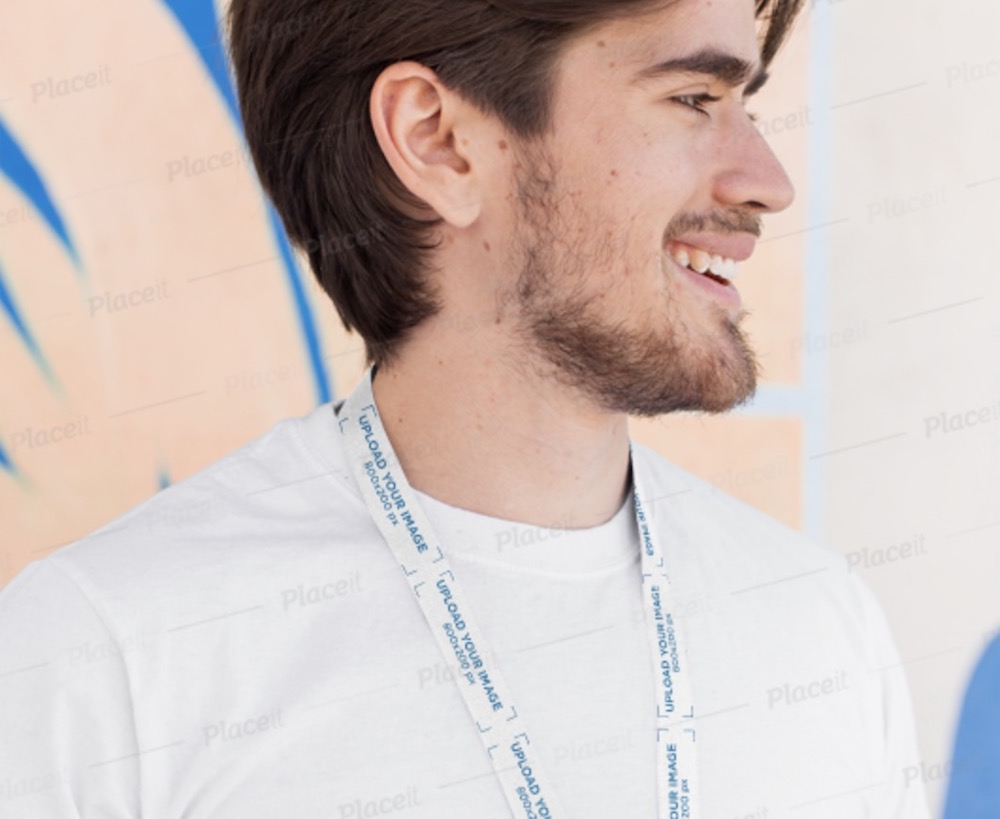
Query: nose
[[752, 177]]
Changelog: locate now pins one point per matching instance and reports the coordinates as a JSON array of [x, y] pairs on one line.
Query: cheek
[[647, 175], [623, 185]]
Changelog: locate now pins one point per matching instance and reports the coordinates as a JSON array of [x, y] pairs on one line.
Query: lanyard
[[402, 522]]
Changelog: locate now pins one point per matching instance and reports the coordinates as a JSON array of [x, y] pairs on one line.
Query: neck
[[472, 432]]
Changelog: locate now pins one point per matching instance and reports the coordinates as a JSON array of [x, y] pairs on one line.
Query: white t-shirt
[[243, 645]]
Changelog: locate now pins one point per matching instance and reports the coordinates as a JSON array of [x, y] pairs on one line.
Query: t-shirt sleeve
[[67, 738], [902, 794]]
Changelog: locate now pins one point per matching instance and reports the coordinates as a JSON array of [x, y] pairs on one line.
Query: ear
[[420, 125]]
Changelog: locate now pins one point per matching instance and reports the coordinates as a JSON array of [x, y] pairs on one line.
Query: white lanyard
[[529, 791]]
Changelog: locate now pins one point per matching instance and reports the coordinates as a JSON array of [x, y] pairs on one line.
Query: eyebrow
[[720, 66]]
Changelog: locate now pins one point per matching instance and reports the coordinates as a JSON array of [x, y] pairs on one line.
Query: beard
[[647, 369]]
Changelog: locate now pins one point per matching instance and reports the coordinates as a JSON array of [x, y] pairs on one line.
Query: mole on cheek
[[502, 144], [486, 245]]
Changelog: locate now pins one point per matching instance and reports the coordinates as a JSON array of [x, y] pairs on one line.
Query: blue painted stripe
[[16, 166], [13, 315], [199, 21], [162, 477], [11, 312]]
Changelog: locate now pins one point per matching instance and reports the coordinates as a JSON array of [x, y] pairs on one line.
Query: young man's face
[[632, 176]]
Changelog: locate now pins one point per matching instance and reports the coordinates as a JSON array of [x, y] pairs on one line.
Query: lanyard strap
[[402, 522]]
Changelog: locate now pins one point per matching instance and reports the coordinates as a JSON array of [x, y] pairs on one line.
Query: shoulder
[[735, 550], [755, 582], [704, 509], [262, 505]]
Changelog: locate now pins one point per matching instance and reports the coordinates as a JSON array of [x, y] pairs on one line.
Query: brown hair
[[304, 73]]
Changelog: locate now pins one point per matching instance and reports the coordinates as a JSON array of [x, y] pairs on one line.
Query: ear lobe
[[414, 117]]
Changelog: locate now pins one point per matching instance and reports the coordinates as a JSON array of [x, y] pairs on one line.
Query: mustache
[[730, 221]]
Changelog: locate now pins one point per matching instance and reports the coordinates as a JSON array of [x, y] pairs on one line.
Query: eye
[[696, 101]]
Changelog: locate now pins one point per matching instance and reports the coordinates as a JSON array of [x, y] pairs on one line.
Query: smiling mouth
[[719, 269]]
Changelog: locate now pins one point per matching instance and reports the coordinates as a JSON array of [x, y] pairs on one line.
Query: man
[[461, 591]]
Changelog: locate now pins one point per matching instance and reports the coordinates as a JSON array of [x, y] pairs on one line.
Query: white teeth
[[700, 261]]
